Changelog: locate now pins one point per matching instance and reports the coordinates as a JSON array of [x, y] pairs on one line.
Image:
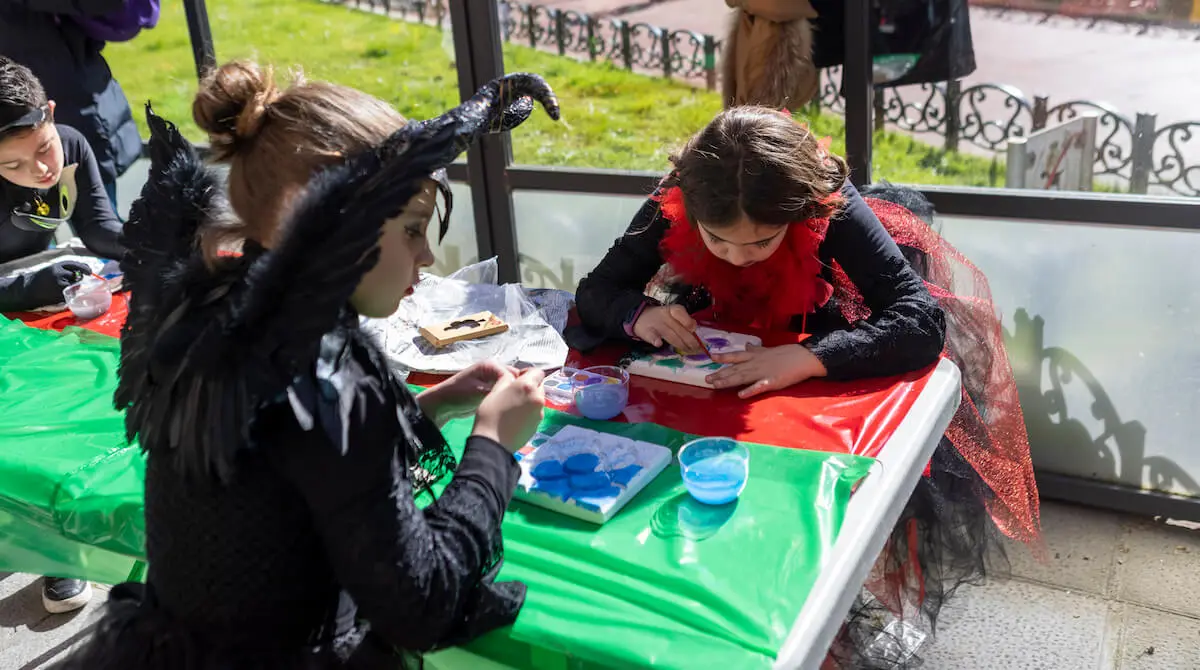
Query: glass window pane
[[459, 249], [583, 227], [1041, 94], [619, 109], [409, 65], [1106, 373]]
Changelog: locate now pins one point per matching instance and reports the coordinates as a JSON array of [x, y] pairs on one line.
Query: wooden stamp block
[[470, 327]]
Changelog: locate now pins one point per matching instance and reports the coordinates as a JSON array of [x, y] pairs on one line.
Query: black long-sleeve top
[[905, 332], [310, 536]]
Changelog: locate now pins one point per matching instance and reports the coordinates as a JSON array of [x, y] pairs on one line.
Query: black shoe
[[65, 595]]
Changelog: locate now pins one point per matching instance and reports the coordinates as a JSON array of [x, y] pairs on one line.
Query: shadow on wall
[[1046, 378]]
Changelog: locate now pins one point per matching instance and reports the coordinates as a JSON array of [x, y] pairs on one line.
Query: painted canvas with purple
[[586, 474], [668, 364]]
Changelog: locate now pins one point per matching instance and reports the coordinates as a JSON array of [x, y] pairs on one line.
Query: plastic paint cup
[[602, 392], [88, 298], [714, 469]]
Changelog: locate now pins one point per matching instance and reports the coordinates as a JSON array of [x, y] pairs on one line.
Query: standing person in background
[[61, 42], [769, 54]]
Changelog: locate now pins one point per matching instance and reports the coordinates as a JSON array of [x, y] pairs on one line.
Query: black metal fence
[[1133, 154]]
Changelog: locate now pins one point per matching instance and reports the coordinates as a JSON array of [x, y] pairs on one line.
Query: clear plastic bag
[[531, 339]]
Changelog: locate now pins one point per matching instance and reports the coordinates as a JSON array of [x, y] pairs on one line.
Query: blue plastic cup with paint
[[714, 469], [601, 392]]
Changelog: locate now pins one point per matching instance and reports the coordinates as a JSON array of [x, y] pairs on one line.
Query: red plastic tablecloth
[[856, 418], [849, 417], [109, 323]]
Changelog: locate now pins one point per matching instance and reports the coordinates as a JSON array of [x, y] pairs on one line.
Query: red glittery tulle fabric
[[993, 442]]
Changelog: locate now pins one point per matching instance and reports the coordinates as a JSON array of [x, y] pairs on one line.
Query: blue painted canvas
[[587, 474]]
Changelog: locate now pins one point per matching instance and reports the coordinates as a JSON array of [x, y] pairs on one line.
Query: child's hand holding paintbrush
[[671, 324]]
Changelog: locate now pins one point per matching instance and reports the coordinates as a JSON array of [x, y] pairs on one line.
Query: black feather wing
[[214, 345], [179, 196]]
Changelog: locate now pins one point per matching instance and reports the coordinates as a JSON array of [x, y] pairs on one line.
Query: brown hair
[[757, 162], [275, 140]]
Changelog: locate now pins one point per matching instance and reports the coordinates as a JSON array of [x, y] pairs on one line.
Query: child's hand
[[763, 369], [512, 410], [669, 323], [461, 394]]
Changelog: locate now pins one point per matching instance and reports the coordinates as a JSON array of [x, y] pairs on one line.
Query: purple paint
[[716, 342]]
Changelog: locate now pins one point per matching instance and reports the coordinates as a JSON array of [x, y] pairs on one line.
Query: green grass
[[612, 118]]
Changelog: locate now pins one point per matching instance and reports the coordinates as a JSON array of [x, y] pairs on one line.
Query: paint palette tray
[[560, 386], [670, 365], [586, 474]]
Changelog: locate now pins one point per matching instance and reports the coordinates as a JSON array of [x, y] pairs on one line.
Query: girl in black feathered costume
[[282, 457]]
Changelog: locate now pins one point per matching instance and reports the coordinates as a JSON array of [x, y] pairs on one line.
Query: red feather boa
[[765, 295]]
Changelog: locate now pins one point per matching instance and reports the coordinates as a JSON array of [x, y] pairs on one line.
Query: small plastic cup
[[88, 298], [715, 469], [601, 392]]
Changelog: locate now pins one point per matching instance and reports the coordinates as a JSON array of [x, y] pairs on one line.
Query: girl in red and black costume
[[757, 226]]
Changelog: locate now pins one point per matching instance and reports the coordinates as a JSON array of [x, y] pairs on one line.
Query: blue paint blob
[[548, 470], [598, 494], [581, 464], [558, 488], [586, 484], [625, 474]]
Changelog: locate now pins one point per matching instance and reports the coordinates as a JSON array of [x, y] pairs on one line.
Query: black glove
[[43, 287]]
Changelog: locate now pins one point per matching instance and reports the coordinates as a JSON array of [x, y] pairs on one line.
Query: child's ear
[[50, 105]]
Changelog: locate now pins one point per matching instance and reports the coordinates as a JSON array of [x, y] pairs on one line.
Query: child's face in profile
[[33, 158], [744, 243], [403, 251]]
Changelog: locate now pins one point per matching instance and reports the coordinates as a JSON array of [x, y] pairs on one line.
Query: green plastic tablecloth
[[668, 582], [70, 485]]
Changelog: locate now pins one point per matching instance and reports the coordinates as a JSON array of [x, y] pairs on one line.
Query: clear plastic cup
[[714, 469], [601, 392], [88, 298]]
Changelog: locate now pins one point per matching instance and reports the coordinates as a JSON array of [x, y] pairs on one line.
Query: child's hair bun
[[232, 105]]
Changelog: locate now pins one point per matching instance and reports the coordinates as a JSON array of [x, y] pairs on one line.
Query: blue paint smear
[[582, 464], [548, 470], [625, 474]]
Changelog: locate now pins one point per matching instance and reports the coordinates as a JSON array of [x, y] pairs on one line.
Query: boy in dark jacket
[[61, 42], [48, 176]]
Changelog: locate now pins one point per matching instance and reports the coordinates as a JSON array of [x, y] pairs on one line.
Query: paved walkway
[[1116, 593]]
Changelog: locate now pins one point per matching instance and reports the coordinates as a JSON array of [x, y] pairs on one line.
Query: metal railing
[[1133, 154]]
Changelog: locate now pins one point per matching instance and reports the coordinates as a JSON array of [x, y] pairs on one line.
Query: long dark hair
[[760, 163]]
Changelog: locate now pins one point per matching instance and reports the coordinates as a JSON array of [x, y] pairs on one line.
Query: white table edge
[[870, 516]]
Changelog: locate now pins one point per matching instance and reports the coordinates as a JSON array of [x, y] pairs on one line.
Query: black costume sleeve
[[412, 573], [94, 219], [610, 294], [907, 326]]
